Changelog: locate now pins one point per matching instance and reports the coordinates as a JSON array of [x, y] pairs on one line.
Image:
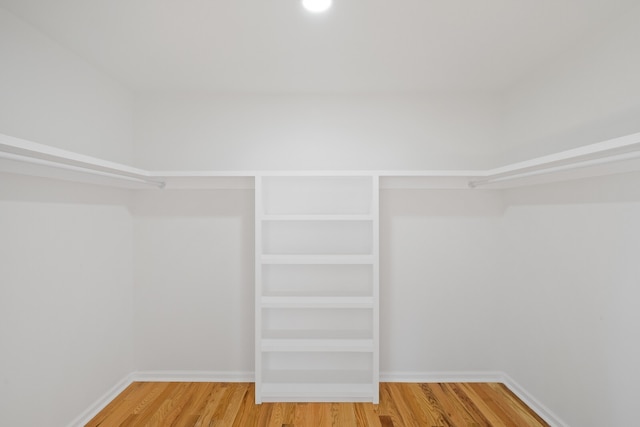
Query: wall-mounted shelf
[[29, 158], [316, 259], [618, 155], [317, 302]]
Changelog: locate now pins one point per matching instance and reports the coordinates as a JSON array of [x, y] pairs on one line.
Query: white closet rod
[[80, 169], [586, 163]]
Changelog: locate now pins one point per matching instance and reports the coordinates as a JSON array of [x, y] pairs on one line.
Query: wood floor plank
[[131, 404], [319, 415], [496, 400], [476, 416], [233, 405], [387, 405], [447, 413], [486, 410], [264, 414], [169, 406], [343, 414], [221, 407], [238, 391], [151, 407], [511, 403], [386, 421], [195, 400], [366, 415], [278, 416], [214, 399], [411, 407], [123, 404], [246, 414], [425, 400], [454, 409]]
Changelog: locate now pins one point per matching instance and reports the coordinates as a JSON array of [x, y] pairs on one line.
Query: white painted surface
[[66, 269], [318, 132], [359, 45], [194, 280], [570, 282], [50, 96], [65, 298], [587, 94], [439, 293], [29, 158]]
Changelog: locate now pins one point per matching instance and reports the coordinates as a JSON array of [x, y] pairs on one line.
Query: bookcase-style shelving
[[317, 288]]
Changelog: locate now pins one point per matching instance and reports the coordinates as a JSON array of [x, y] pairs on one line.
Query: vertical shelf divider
[[375, 212], [259, 214]]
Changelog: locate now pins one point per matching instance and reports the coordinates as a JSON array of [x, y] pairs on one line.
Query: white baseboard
[[533, 403], [103, 401], [442, 377], [195, 376]]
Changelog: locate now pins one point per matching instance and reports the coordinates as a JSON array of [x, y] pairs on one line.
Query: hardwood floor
[[232, 404]]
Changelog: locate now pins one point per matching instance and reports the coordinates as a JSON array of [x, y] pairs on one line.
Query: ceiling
[[358, 46]]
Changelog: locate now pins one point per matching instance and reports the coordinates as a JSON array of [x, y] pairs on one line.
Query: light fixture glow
[[316, 6]]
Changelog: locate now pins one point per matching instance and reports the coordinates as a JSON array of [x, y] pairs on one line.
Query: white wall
[[194, 281], [65, 298], [571, 282], [66, 249], [194, 267], [439, 293], [50, 96], [262, 132], [588, 94]]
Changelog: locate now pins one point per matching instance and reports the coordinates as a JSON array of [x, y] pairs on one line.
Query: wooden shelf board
[[317, 302], [317, 345], [317, 259], [317, 217]]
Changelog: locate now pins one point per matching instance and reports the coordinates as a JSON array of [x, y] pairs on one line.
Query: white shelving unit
[[317, 288]]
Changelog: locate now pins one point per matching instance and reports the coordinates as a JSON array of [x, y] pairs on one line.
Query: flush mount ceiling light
[[316, 6]]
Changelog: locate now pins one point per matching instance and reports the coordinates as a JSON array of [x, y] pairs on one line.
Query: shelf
[[206, 180], [617, 155], [317, 259], [317, 334], [298, 385], [317, 392], [316, 302], [318, 376], [317, 218], [319, 280], [316, 345], [29, 158], [317, 237]]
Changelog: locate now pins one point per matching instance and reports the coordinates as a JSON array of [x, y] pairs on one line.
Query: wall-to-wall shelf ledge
[[618, 155], [29, 158]]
